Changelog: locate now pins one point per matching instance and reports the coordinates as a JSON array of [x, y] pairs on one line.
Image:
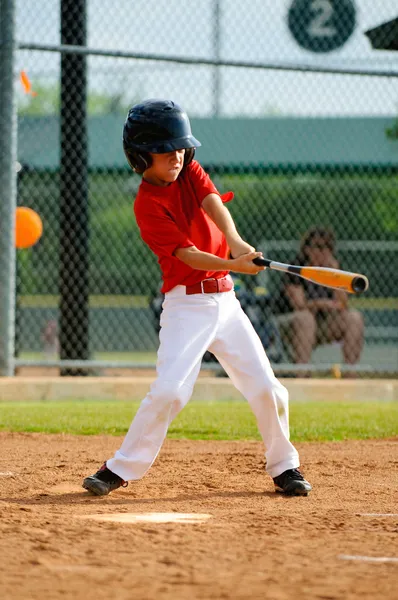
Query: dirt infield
[[339, 543]]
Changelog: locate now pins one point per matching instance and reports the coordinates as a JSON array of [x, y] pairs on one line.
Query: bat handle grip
[[262, 262]]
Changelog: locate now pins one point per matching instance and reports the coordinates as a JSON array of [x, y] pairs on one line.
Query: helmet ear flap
[[143, 161], [188, 156], [138, 161]]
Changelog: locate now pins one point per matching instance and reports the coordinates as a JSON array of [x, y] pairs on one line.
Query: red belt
[[211, 286]]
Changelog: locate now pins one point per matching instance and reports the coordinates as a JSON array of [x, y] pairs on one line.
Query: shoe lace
[[109, 476], [297, 474]]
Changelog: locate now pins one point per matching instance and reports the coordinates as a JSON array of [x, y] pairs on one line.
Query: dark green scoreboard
[[321, 25]]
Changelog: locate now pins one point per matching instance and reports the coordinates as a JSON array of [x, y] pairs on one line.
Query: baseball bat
[[354, 283]]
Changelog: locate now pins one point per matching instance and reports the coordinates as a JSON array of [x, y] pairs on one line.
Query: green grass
[[205, 420], [138, 357]]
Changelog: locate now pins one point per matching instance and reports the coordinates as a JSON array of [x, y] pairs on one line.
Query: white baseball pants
[[190, 325]]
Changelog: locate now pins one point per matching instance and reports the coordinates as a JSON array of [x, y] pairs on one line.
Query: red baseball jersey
[[172, 217]]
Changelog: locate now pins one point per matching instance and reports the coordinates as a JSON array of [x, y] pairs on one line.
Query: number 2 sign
[[321, 25]]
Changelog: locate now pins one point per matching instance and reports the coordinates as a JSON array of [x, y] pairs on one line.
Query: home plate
[[376, 559], [378, 514], [173, 517]]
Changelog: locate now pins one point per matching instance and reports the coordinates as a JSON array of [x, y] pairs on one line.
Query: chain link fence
[[297, 114]]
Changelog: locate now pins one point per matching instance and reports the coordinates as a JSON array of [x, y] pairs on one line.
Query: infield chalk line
[[377, 559], [377, 514]]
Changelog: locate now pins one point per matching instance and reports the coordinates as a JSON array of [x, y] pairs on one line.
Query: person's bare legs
[[347, 327], [303, 335], [298, 330], [353, 336]]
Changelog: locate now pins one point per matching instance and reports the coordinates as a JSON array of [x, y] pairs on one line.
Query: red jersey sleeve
[[161, 234], [202, 183]]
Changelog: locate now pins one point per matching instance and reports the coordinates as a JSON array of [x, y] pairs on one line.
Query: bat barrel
[[359, 284], [353, 283]]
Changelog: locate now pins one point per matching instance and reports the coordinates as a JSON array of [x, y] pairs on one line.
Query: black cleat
[[103, 482], [292, 483]]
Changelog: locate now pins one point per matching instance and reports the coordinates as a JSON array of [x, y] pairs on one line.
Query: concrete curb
[[206, 388]]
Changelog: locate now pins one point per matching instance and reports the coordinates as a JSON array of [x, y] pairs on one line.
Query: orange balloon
[[28, 227]]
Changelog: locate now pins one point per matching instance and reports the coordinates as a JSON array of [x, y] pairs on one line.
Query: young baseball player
[[182, 218]]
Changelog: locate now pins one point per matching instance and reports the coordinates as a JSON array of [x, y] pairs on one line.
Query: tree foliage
[[47, 102]]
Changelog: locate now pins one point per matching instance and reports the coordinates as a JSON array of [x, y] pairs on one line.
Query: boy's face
[[165, 167]]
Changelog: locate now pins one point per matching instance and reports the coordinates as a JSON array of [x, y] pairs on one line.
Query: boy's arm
[[204, 261], [221, 216]]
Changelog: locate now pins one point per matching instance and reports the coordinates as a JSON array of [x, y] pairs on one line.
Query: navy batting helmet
[[156, 126]]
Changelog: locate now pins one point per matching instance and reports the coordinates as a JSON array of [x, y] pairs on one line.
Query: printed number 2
[[319, 27]]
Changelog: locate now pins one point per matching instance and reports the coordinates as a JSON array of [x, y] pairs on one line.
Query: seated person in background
[[50, 340], [310, 314]]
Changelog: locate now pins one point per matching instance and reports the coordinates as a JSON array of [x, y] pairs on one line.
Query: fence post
[[8, 189], [74, 227]]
